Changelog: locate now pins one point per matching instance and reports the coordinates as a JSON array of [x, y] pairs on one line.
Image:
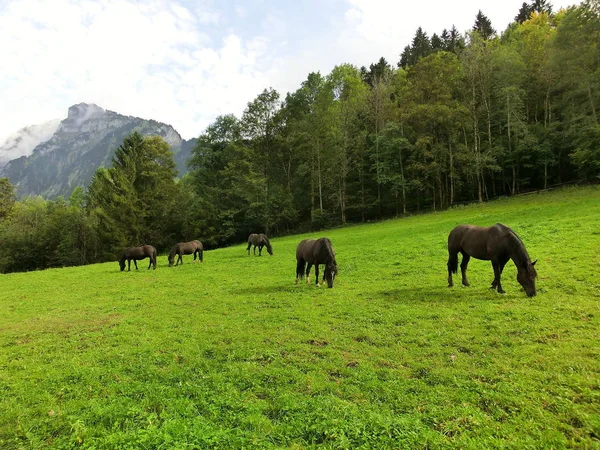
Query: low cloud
[[25, 140]]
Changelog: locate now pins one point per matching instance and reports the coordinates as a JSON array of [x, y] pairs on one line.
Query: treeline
[[458, 118]]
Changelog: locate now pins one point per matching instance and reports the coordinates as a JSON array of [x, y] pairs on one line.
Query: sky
[[184, 62]]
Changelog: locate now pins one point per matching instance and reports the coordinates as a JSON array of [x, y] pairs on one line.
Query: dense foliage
[[461, 118]]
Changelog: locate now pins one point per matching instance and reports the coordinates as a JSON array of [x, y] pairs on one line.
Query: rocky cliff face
[[84, 141]]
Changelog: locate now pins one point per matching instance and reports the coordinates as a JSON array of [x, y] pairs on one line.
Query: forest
[[460, 117]]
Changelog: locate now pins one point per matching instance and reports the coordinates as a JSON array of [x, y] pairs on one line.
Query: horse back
[[478, 242], [304, 250]]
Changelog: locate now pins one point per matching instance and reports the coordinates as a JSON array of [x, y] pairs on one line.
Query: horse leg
[[135, 262], [179, 259], [496, 274], [308, 267], [260, 250], [128, 265], [463, 268], [452, 266], [249, 245], [299, 270], [317, 275], [500, 266], [150, 263]]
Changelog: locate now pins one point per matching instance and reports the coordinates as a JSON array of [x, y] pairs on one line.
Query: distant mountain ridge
[[81, 143]]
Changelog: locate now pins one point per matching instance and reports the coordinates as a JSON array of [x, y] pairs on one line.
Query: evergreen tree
[[483, 26], [437, 43], [133, 199], [537, 6]]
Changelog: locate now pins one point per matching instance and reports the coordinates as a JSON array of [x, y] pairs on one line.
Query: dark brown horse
[[497, 243], [136, 254], [186, 248], [260, 241], [314, 252]]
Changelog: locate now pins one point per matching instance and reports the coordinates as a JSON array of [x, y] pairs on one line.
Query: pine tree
[[483, 26]]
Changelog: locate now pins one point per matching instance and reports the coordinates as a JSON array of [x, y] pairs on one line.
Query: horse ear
[[533, 263]]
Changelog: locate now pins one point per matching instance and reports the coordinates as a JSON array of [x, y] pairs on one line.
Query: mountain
[[68, 157]]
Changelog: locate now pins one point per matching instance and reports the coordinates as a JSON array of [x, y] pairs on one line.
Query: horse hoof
[[296, 281], [318, 285], [501, 292]]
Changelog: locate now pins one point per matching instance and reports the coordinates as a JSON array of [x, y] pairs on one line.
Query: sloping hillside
[[231, 353]]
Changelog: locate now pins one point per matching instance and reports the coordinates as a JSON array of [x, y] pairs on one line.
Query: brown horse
[[316, 251], [136, 254], [260, 241], [186, 248], [497, 243]]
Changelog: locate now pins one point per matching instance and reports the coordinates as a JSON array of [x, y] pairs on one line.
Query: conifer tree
[[483, 26]]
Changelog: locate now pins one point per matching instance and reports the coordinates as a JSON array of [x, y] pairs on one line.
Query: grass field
[[232, 354]]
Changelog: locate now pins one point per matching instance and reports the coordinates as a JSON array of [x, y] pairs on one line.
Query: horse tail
[[453, 262]]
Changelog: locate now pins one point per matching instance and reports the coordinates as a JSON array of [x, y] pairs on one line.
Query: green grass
[[232, 354]]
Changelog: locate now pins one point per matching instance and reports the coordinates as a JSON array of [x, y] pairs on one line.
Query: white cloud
[[150, 60], [25, 140]]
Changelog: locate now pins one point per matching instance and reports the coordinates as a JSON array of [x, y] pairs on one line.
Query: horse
[[260, 241], [136, 254], [186, 248], [497, 243], [316, 251]]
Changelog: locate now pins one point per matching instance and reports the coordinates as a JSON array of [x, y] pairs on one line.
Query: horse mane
[[268, 243], [519, 250], [327, 244]]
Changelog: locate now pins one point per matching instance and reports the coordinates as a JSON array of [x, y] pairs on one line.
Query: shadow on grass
[[269, 289], [441, 294]]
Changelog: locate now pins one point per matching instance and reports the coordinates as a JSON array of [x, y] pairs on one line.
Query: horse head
[[269, 248], [122, 263], [526, 275], [330, 273], [171, 259]]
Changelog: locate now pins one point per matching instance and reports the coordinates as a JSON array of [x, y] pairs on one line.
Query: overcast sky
[[185, 62]]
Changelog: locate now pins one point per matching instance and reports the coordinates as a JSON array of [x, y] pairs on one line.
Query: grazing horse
[[136, 254], [260, 241], [316, 251], [497, 243], [186, 248]]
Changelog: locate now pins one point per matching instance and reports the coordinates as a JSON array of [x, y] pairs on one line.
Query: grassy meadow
[[232, 354]]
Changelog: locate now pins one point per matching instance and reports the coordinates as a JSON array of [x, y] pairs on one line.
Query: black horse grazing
[[186, 248], [136, 254], [260, 241], [497, 243], [316, 251]]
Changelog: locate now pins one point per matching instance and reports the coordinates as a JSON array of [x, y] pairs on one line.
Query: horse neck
[[518, 253], [329, 251]]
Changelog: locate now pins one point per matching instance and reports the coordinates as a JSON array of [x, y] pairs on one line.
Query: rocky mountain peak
[[81, 112]]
